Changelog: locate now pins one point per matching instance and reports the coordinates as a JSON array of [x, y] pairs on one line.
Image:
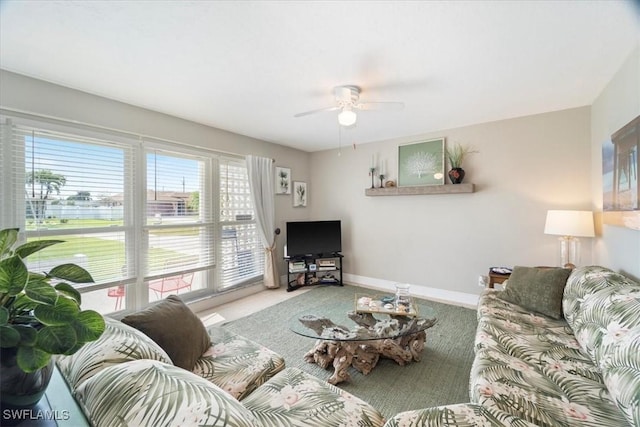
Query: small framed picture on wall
[[283, 180], [299, 194], [421, 163]]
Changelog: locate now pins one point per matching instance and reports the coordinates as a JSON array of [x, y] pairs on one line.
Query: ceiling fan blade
[[321, 110], [380, 106]]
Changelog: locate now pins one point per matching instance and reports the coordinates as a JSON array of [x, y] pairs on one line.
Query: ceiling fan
[[347, 98]]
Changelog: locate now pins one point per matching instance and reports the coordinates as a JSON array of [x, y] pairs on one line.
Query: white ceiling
[[249, 66]]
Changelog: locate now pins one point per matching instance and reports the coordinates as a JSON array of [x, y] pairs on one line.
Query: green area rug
[[442, 377]]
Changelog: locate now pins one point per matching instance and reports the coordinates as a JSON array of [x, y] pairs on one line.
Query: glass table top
[[341, 322]]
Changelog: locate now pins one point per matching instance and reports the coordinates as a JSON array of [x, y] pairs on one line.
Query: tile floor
[[247, 305]]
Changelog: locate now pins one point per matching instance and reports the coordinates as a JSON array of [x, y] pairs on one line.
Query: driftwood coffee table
[[394, 336]]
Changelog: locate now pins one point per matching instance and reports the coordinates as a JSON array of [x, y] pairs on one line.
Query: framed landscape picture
[[421, 163], [620, 184], [283, 180]]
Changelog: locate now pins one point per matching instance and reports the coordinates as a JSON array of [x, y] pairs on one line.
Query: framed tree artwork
[[299, 194], [283, 180], [421, 163]]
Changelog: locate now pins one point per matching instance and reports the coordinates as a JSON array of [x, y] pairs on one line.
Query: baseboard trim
[[435, 294], [213, 300]]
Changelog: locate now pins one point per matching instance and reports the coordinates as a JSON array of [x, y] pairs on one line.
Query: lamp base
[[569, 251]]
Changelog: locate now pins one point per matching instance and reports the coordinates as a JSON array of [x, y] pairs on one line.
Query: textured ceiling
[[249, 66]]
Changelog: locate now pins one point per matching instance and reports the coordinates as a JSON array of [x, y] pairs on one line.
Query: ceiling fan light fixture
[[347, 117]]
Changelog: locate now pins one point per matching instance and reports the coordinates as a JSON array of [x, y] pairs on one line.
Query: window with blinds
[[72, 189], [179, 225], [241, 252], [133, 213]]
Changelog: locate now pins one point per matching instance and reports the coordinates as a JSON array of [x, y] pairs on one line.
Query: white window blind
[[72, 189], [179, 222], [241, 253]]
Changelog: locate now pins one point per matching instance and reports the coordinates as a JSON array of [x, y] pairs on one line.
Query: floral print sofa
[[580, 371], [126, 379]]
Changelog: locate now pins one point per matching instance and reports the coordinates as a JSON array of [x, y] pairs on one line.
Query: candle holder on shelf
[[381, 176], [372, 172]]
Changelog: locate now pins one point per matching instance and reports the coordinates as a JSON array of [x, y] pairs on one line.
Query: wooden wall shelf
[[421, 190]]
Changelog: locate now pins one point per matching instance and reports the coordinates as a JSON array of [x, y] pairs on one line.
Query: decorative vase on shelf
[[456, 175]]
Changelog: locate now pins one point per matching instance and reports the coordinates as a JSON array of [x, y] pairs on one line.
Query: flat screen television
[[313, 238]]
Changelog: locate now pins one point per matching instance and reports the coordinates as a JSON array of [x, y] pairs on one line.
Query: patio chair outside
[[172, 284]]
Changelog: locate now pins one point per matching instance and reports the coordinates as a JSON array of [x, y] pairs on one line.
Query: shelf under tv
[[313, 274]]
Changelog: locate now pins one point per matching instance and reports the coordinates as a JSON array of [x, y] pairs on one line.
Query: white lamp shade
[[347, 117], [569, 223]]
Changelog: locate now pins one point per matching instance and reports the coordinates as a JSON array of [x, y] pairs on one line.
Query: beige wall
[[438, 243], [615, 247], [38, 97], [442, 243]]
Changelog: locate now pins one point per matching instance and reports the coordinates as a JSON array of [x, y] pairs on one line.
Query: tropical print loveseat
[[126, 379], [581, 370]]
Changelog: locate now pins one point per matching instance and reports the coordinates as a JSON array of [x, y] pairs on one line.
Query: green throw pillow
[[537, 289], [175, 328]]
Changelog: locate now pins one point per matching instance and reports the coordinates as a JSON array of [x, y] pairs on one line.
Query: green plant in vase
[[40, 316], [456, 156]]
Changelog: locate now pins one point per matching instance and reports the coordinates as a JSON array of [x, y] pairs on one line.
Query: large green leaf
[[71, 272], [13, 275], [8, 238], [89, 325], [27, 333], [69, 291], [57, 339], [9, 337], [41, 291], [30, 359], [22, 303], [31, 247], [73, 349], [62, 313], [4, 316]]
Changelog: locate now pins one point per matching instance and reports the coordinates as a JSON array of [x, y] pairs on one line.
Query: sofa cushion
[[236, 364], [175, 328], [295, 398], [462, 414], [118, 344], [537, 289], [501, 323], [152, 393], [560, 389]]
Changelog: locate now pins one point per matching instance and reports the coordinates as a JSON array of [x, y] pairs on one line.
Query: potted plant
[[40, 316], [456, 156]]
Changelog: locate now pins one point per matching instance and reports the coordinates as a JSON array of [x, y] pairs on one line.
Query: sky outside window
[[99, 169]]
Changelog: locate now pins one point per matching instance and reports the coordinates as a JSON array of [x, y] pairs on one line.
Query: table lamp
[[570, 225]]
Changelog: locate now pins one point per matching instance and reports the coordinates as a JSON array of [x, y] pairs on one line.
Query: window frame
[[134, 227]]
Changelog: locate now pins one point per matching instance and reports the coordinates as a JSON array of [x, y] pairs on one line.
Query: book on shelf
[[297, 267]]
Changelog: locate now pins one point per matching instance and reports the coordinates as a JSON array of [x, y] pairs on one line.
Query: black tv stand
[[310, 270]]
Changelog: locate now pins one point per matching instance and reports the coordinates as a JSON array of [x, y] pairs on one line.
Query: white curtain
[[261, 182]]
